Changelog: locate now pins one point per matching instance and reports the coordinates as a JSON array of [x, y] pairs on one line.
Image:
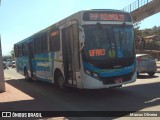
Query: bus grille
[[117, 79]]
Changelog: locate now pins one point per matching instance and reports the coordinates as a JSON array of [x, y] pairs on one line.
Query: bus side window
[[20, 50], [37, 45], [54, 41], [16, 51], [25, 49], [44, 47]]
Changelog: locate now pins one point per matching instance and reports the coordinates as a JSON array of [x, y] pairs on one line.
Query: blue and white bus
[[90, 49]]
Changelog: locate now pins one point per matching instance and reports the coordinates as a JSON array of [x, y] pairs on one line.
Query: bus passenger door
[[31, 57], [70, 53]]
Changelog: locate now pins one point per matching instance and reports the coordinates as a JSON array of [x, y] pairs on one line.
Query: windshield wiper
[[107, 31]]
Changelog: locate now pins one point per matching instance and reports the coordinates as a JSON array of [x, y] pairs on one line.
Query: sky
[[20, 19]]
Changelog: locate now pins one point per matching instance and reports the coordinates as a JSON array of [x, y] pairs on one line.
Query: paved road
[[144, 94]]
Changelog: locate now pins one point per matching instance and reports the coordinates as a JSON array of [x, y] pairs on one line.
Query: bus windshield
[[104, 42]]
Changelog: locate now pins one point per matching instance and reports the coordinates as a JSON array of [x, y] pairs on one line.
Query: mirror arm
[[82, 46], [81, 38]]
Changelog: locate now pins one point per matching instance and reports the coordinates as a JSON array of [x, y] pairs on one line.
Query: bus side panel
[[43, 66], [57, 63], [49, 71], [21, 63]]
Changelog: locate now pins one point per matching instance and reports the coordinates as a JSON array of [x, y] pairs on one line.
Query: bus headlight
[[95, 75], [88, 72]]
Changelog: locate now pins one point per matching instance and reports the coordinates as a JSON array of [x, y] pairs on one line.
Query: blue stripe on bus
[[42, 62], [109, 72]]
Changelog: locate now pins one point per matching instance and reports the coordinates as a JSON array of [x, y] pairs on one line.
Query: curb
[[157, 71]]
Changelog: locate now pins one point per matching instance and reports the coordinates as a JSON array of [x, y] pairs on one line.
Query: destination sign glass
[[106, 16]]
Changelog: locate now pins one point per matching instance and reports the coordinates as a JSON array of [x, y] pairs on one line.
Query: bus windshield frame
[[106, 42]]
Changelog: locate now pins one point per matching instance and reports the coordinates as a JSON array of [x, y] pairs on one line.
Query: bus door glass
[[70, 52]]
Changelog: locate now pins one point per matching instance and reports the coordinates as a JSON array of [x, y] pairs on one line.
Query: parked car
[[146, 64], [13, 64], [9, 64]]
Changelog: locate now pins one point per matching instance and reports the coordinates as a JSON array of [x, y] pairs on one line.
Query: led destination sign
[[106, 16], [54, 33], [103, 17]]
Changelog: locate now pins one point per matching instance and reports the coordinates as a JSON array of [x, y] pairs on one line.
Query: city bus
[[91, 49]]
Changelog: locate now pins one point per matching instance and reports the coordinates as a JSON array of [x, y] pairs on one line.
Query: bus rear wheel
[[151, 74], [60, 81], [27, 78]]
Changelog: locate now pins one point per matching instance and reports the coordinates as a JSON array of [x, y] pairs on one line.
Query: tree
[[147, 32], [5, 58], [155, 30], [12, 53], [137, 32]]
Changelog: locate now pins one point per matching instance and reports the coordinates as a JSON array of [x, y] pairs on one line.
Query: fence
[[137, 4]]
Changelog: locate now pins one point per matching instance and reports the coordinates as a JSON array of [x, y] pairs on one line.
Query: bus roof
[[73, 16]]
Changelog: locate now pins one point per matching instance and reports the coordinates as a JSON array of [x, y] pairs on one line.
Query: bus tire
[[60, 81], [151, 74], [27, 78], [137, 74]]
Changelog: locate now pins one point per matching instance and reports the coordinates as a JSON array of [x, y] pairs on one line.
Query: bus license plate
[[118, 80]]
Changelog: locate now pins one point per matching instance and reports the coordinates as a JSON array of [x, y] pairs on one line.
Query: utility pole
[[2, 83]]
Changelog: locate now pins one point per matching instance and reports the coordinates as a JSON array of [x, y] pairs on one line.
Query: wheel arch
[[56, 72]]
